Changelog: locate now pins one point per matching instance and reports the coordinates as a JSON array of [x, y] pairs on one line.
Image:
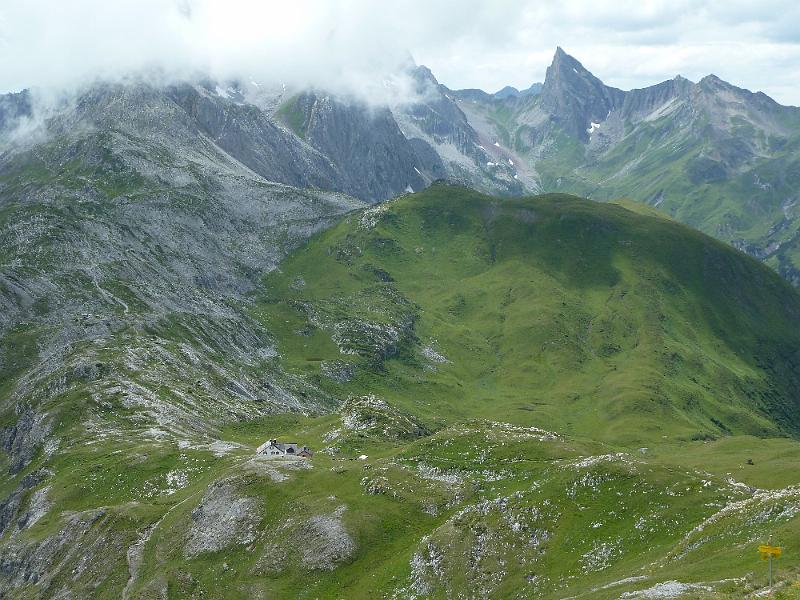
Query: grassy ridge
[[553, 311]]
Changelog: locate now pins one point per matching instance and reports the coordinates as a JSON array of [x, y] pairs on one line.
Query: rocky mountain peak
[[512, 92], [507, 91], [574, 97], [640, 103], [561, 58], [423, 73], [758, 105], [712, 81], [566, 69], [14, 106]]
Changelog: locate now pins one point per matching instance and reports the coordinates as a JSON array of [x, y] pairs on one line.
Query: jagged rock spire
[[574, 97]]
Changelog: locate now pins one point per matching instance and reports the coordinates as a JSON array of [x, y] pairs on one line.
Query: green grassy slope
[[481, 508], [571, 315], [464, 330], [544, 397]]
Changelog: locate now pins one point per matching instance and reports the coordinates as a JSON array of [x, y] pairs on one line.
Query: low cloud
[[358, 46]]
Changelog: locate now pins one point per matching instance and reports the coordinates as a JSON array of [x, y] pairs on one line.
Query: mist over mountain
[[715, 156], [353, 47]]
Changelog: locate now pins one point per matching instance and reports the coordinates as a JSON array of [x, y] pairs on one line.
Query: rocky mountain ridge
[[712, 155], [718, 157]]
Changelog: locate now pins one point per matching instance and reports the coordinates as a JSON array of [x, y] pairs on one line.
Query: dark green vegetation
[[612, 329], [720, 158], [540, 397], [291, 114], [581, 317]]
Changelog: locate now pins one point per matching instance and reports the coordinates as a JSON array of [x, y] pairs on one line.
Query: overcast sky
[[360, 43]]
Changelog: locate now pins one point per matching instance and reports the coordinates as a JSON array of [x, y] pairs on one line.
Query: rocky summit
[[718, 157], [495, 353]]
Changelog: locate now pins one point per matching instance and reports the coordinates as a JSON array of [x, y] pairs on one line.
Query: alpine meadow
[[283, 316]]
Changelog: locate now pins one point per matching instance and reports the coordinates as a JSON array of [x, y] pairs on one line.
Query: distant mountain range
[[720, 158]]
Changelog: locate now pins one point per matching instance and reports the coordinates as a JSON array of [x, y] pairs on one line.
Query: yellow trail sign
[[767, 551]]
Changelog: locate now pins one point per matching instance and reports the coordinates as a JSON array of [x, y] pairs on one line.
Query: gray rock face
[[11, 505], [574, 97], [372, 154], [254, 139], [22, 439], [325, 542], [438, 121], [13, 107], [222, 518], [642, 102], [311, 140], [438, 115], [41, 562]]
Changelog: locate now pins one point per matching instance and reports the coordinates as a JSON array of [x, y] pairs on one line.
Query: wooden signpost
[[768, 552]]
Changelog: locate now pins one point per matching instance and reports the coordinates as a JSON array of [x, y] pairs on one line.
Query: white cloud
[[358, 44], [635, 43], [56, 44]]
